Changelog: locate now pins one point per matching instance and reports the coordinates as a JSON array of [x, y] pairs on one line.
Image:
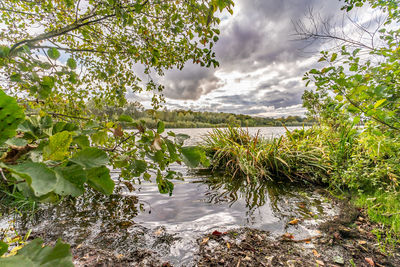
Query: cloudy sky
[[261, 61]]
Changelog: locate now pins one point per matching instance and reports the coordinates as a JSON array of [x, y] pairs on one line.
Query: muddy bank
[[344, 241]]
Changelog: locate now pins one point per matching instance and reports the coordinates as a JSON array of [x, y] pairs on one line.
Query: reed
[[240, 154]]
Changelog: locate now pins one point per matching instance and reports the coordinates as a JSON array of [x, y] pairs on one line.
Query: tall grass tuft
[[240, 154]]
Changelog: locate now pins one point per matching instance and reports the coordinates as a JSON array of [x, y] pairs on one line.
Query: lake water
[[197, 134], [132, 219]]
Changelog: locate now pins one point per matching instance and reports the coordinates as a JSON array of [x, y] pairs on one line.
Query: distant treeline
[[196, 119]]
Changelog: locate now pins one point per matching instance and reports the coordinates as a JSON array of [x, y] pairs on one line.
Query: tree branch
[[76, 25], [58, 32]]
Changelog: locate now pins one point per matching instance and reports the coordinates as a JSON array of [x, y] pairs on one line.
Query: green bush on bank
[[346, 160]]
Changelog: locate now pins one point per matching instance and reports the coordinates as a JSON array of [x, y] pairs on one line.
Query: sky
[[262, 62]]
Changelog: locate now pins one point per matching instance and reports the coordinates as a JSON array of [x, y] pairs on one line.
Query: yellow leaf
[[316, 254], [294, 222], [228, 245], [205, 240], [14, 251]]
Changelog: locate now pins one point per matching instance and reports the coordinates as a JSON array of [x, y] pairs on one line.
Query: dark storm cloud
[[258, 36], [275, 98], [262, 32], [190, 83]]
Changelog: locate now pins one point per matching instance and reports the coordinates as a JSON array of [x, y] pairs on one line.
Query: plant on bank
[[236, 152], [359, 84]]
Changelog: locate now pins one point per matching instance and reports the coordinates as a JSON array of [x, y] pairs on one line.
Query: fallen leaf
[[228, 245], [337, 235], [158, 232], [320, 263], [316, 254], [288, 236], [216, 233], [338, 259], [302, 205], [293, 222], [247, 258], [205, 240], [370, 261], [362, 242]]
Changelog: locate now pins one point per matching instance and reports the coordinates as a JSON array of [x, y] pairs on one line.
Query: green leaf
[[171, 149], [71, 180], [46, 122], [125, 118], [339, 98], [81, 140], [71, 63], [379, 103], [99, 178], [160, 127], [354, 67], [3, 248], [58, 147], [16, 142], [138, 167], [46, 84], [355, 52], [146, 176], [90, 157], [165, 186], [16, 77], [352, 109], [333, 57], [191, 155], [11, 115], [41, 179], [34, 255], [356, 120], [53, 53], [99, 138]]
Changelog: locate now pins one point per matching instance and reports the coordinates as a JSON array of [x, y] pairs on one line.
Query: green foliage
[[99, 179], [40, 179], [3, 248], [33, 254], [360, 85], [85, 53], [10, 116], [105, 38], [383, 207], [193, 156], [58, 146], [90, 157], [361, 81]]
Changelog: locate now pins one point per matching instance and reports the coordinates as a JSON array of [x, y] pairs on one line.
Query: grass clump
[[240, 154], [347, 159]]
